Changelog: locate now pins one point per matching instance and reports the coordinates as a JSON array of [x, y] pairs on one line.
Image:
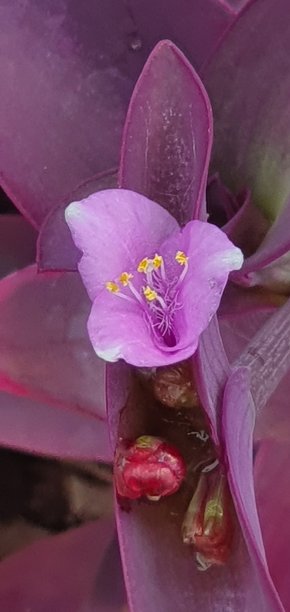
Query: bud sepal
[[148, 467], [208, 523]]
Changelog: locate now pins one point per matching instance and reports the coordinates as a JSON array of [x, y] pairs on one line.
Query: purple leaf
[[150, 537], [211, 372], [74, 67], [248, 217], [240, 301], [45, 350], [68, 572], [168, 135], [272, 432], [167, 277], [221, 205], [17, 243], [36, 427], [238, 426], [265, 267], [234, 5], [55, 248], [248, 86], [267, 355]]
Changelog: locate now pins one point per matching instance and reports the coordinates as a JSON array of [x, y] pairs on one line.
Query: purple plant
[[45, 308], [233, 440]]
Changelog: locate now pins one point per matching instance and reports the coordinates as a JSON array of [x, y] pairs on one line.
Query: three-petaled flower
[[153, 285]]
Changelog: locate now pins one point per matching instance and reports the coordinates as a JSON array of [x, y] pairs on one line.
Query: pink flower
[[154, 286]]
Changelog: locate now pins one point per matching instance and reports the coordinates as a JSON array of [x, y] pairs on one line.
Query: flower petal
[[45, 349], [211, 257], [55, 247], [168, 135], [71, 572], [36, 427], [118, 330], [115, 229]]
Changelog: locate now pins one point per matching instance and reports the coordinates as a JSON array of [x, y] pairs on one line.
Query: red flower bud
[[208, 523], [148, 467], [172, 386]]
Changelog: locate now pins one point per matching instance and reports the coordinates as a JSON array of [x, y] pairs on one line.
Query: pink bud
[[148, 467], [208, 523]]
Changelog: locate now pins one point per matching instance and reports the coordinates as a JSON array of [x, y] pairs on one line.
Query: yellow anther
[[181, 258], [150, 294], [112, 287], [124, 278], [143, 265], [157, 261]]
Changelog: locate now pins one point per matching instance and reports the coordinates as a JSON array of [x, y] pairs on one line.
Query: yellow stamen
[[181, 258], [112, 287], [150, 294], [143, 265], [157, 261], [125, 277]]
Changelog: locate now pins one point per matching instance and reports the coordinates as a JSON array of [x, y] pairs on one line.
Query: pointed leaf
[[267, 355], [55, 248], [151, 542], [248, 86], [45, 349], [17, 243], [168, 134], [272, 432], [211, 372], [73, 68], [67, 572], [36, 427], [238, 426]]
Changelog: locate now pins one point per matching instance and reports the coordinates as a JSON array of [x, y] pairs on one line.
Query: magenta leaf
[[17, 243], [150, 537], [45, 350], [168, 134], [238, 427], [272, 494], [35, 427], [170, 280], [211, 368], [266, 264], [55, 248], [74, 68], [267, 355], [67, 572], [251, 130]]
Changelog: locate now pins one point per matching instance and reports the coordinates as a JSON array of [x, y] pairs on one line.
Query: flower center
[[158, 296]]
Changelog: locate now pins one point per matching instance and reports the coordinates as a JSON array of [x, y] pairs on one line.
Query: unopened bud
[[148, 467], [208, 523], [173, 386]]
